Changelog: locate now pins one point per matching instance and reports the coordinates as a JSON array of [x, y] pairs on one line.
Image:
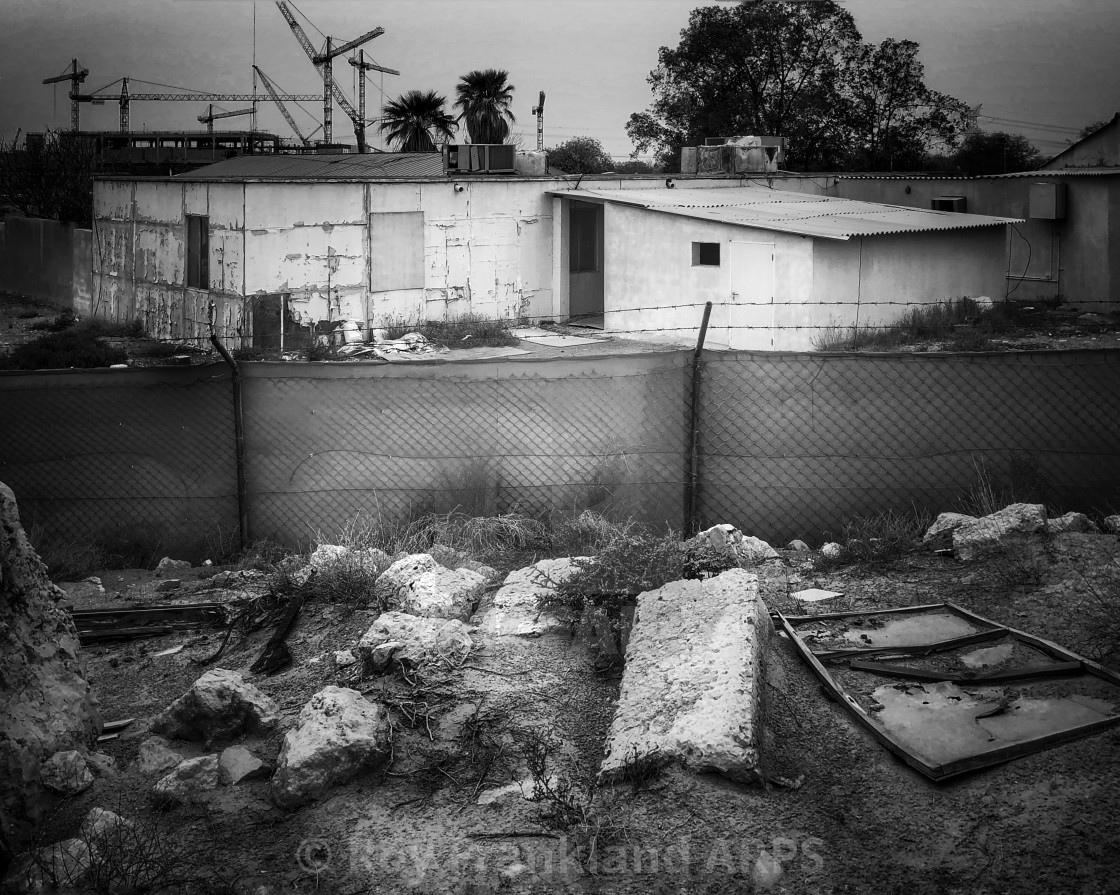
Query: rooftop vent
[[734, 155], [479, 158]]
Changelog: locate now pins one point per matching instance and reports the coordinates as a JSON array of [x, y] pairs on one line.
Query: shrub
[[468, 331], [937, 321], [878, 539], [75, 347]]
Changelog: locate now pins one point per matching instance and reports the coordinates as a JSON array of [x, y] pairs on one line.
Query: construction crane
[[127, 98], [325, 63], [275, 94], [211, 116], [362, 66], [75, 76], [538, 110]]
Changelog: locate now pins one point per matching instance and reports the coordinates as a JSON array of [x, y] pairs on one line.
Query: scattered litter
[[552, 340], [168, 652], [815, 595], [110, 726]]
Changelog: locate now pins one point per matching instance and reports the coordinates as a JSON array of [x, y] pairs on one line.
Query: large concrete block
[[690, 689]]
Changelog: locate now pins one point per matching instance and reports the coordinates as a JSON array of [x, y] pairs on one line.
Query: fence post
[[691, 510], [238, 440]]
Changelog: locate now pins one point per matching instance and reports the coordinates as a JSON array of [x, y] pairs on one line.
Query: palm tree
[[484, 98], [414, 119]]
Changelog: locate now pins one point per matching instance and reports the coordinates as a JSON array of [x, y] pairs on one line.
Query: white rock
[[831, 550], [167, 564], [413, 640], [64, 863], [991, 532], [516, 611], [1112, 524], [101, 764], [237, 763], [798, 545], [728, 540], [100, 823], [190, 780], [157, 756], [220, 705], [168, 584], [940, 535], [421, 586], [511, 792], [339, 735], [456, 559], [344, 658], [1077, 522], [66, 772], [690, 688]]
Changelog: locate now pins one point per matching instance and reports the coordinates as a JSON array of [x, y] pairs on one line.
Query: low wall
[[45, 260]]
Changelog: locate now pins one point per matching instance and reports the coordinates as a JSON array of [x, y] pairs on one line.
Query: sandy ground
[[861, 822]]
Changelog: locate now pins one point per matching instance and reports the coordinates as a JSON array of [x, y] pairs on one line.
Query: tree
[[894, 115], [49, 175], [1093, 127], [798, 70], [996, 153], [581, 155], [415, 120], [484, 99]]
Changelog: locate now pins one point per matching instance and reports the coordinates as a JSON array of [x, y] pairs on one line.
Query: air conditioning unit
[[949, 203], [479, 158], [1048, 201]]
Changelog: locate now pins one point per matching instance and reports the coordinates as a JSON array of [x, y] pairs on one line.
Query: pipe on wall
[[239, 441]]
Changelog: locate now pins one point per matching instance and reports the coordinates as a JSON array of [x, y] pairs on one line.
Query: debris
[[339, 735], [815, 595], [220, 705], [170, 651], [276, 654]]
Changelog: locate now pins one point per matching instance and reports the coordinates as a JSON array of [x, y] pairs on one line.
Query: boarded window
[[705, 254], [396, 251], [198, 251], [584, 242]]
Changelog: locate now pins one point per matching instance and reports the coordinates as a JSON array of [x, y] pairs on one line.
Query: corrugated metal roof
[[789, 212], [374, 166], [1041, 172]]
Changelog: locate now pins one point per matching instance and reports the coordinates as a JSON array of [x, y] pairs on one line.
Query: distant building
[[1101, 148]]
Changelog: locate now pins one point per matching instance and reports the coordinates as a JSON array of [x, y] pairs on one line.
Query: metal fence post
[[691, 514]]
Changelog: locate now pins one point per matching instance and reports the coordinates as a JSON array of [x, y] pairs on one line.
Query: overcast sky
[[1043, 68]]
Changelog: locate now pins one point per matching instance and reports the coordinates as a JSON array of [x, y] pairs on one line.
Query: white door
[[751, 317]]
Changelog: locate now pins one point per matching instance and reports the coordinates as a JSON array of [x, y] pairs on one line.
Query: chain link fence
[[789, 445]]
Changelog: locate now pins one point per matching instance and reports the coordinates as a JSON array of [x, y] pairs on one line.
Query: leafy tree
[[635, 166], [894, 115], [1094, 127], [415, 120], [581, 155], [484, 98], [996, 153], [50, 177], [798, 70]]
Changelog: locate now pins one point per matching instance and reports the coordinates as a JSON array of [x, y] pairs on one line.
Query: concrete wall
[[43, 259], [1100, 148]]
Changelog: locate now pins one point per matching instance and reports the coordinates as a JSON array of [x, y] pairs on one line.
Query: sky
[[1043, 68]]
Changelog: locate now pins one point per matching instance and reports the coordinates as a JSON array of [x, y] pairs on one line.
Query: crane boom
[[211, 116], [272, 92], [75, 76], [348, 46]]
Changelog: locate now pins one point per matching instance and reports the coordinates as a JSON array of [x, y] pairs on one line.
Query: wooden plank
[[1050, 669], [824, 616], [918, 649]]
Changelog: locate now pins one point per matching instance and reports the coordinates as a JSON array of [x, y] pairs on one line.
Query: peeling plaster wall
[[139, 256]]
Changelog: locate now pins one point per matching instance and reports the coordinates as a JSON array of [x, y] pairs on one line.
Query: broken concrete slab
[[991, 533], [515, 610], [339, 735], [414, 640], [690, 688], [728, 541], [220, 705]]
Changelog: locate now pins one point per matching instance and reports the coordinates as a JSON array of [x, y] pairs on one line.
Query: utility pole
[[538, 110]]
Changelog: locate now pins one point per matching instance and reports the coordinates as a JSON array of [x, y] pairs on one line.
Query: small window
[[584, 241], [705, 254], [198, 251]]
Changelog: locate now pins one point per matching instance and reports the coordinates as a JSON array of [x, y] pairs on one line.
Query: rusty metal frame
[[991, 630]]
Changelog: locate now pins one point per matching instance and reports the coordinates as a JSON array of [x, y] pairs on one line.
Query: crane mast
[[75, 76], [275, 94]]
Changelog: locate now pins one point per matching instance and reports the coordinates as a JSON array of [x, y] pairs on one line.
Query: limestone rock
[[690, 688], [332, 556], [344, 658], [64, 863], [237, 763], [100, 823], [413, 640], [994, 531], [167, 564], [1075, 522], [339, 735], [831, 550], [516, 611], [219, 706], [798, 545], [451, 558], [189, 781], [66, 773], [732, 543], [156, 756], [236, 577], [168, 584], [1112, 524], [101, 764], [510, 793], [45, 702], [419, 585], [939, 536]]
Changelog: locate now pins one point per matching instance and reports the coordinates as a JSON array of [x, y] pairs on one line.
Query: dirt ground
[[861, 822]]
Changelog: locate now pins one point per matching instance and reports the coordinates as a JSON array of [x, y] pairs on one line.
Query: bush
[[962, 322], [878, 539], [62, 350], [468, 331]]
